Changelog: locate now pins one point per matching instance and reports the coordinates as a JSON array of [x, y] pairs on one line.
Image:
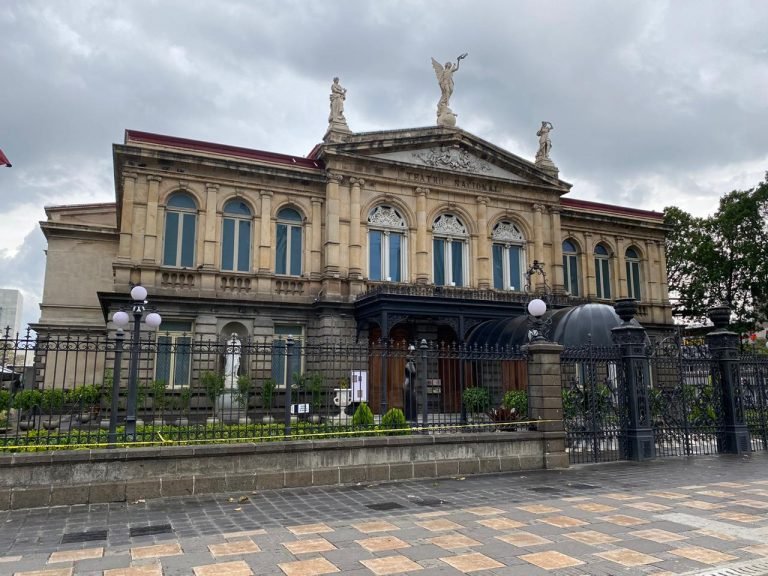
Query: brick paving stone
[[145, 570], [473, 562], [454, 541], [551, 560], [500, 523], [236, 568], [703, 555], [74, 555], [48, 572], [156, 551], [371, 527], [382, 543], [313, 567], [232, 548]]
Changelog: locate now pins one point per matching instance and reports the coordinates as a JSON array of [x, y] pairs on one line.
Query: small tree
[[394, 421], [363, 417], [268, 393], [244, 390], [159, 398], [476, 400], [214, 386]]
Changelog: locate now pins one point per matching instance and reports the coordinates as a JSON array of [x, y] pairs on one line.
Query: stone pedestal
[[545, 400], [446, 117], [228, 410], [546, 165]]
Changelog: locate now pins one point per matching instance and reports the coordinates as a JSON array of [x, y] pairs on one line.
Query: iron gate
[[685, 398], [753, 376], [593, 404]]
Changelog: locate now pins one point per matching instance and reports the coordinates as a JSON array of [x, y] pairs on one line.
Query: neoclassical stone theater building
[[406, 234]]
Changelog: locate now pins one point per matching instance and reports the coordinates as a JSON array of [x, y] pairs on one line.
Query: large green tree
[[721, 258]]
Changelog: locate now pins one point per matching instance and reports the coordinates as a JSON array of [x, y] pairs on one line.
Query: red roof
[[132, 136], [597, 206]]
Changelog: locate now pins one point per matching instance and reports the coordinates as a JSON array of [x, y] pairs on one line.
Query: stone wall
[[93, 476]]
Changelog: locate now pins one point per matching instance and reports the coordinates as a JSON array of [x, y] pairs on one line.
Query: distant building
[[11, 308]]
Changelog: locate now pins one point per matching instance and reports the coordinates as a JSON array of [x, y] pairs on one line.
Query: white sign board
[[359, 380], [299, 408]]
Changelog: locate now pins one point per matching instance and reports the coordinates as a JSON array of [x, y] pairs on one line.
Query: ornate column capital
[[422, 191], [316, 200], [210, 187], [554, 209], [357, 182], [483, 200], [129, 175], [153, 178], [538, 208], [266, 193], [334, 177]]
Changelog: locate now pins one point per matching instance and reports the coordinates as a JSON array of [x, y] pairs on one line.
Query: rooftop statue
[[338, 95], [445, 116], [545, 144]]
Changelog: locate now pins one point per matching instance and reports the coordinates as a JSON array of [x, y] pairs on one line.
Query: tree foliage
[[722, 258]]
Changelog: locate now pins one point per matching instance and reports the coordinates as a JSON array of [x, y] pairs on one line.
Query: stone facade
[[425, 232]]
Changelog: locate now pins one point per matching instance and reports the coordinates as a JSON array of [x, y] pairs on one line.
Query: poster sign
[[359, 380]]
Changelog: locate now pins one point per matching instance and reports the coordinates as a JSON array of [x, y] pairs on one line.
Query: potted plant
[[26, 401], [243, 395], [214, 387], [477, 400], [267, 394], [86, 399], [52, 401]]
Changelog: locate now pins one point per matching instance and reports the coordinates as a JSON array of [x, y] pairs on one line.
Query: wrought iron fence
[[594, 408], [685, 398], [76, 390]]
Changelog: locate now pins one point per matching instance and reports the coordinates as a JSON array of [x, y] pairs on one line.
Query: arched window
[[289, 242], [450, 251], [602, 272], [570, 268], [180, 224], [236, 237], [386, 245], [632, 260], [508, 256]]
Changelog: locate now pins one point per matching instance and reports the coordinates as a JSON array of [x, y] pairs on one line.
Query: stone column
[[636, 374], [317, 238], [483, 272], [663, 286], [139, 220], [126, 215], [332, 232], [265, 229], [355, 247], [151, 229], [209, 230], [733, 434], [589, 266], [650, 272], [538, 233], [558, 281], [545, 400], [422, 253]]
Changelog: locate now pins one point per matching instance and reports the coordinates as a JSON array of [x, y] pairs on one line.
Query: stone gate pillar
[[636, 370], [545, 400], [733, 434]]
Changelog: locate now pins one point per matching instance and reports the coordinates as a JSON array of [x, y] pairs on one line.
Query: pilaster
[[558, 280], [151, 230], [265, 232], [620, 273], [422, 254], [126, 215], [316, 233], [589, 266], [538, 233], [209, 227], [355, 233], [332, 233]]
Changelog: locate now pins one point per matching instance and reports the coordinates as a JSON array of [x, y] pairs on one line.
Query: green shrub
[[363, 417], [476, 400], [84, 396], [268, 392], [516, 401], [315, 389], [27, 399], [244, 390], [5, 400], [159, 399], [52, 400], [395, 421], [213, 384]]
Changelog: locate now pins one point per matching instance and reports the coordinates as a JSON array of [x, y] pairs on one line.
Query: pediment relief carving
[[452, 159]]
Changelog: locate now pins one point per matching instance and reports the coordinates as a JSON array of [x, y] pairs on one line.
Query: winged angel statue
[[445, 80]]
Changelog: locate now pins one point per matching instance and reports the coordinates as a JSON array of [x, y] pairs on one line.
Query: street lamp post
[[121, 319]]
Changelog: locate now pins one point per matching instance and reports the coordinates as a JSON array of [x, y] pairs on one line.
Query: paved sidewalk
[[675, 516]]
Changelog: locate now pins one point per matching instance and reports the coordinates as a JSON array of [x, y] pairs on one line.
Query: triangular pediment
[[444, 149]]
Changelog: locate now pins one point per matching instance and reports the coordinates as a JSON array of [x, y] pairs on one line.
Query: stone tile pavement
[[674, 516]]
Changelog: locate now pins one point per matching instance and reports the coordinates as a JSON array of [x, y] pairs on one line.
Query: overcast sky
[[653, 103]]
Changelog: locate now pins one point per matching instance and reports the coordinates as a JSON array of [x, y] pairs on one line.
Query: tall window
[[602, 272], [236, 237], [174, 354], [283, 367], [570, 268], [386, 244], [289, 244], [180, 223], [450, 252], [508, 256], [632, 260]]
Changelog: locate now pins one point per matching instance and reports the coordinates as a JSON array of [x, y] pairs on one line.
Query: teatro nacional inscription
[[452, 181]]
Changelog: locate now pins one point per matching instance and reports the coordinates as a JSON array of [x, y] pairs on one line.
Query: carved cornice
[[316, 200], [211, 187], [129, 175], [483, 200], [538, 208]]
